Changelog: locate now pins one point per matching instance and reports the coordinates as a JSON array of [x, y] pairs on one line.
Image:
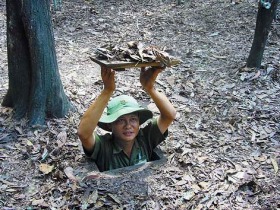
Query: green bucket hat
[[122, 105]]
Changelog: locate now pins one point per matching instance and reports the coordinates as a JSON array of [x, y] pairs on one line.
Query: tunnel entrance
[[157, 158]]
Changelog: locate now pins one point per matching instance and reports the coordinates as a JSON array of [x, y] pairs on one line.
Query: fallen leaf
[[253, 138], [215, 34], [115, 198], [45, 154], [93, 197], [231, 179], [10, 190], [275, 165], [39, 202], [188, 195], [196, 188], [19, 130], [204, 185], [242, 175], [61, 138], [187, 110], [171, 80], [261, 158], [202, 159], [198, 123], [182, 182], [69, 173], [29, 143], [45, 168], [219, 57]]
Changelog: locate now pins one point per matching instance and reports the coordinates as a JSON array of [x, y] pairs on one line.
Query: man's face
[[126, 127]]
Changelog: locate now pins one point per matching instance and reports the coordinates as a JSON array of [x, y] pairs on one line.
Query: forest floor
[[223, 149]]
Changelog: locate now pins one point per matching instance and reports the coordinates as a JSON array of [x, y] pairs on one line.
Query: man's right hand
[[108, 78]]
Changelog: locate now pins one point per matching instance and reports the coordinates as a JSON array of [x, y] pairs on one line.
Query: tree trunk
[[263, 24], [35, 89]]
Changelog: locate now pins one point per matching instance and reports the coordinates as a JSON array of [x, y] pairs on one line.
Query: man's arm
[[167, 111], [91, 117]]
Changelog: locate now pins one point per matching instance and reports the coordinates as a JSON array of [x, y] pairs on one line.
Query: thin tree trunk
[[263, 24]]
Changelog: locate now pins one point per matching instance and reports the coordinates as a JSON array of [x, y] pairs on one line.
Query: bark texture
[[35, 89]]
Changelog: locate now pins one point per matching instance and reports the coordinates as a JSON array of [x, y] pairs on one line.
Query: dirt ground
[[223, 150]]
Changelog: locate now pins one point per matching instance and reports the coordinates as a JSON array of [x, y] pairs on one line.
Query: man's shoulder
[[103, 138], [149, 123]]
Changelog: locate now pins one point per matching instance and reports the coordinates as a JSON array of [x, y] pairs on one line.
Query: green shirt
[[108, 155]]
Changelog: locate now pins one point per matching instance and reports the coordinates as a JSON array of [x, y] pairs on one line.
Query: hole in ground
[[156, 159]]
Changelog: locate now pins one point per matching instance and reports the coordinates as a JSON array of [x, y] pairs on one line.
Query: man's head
[[126, 127], [123, 105]]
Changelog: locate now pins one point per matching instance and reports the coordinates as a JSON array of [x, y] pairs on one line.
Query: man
[[127, 144]]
